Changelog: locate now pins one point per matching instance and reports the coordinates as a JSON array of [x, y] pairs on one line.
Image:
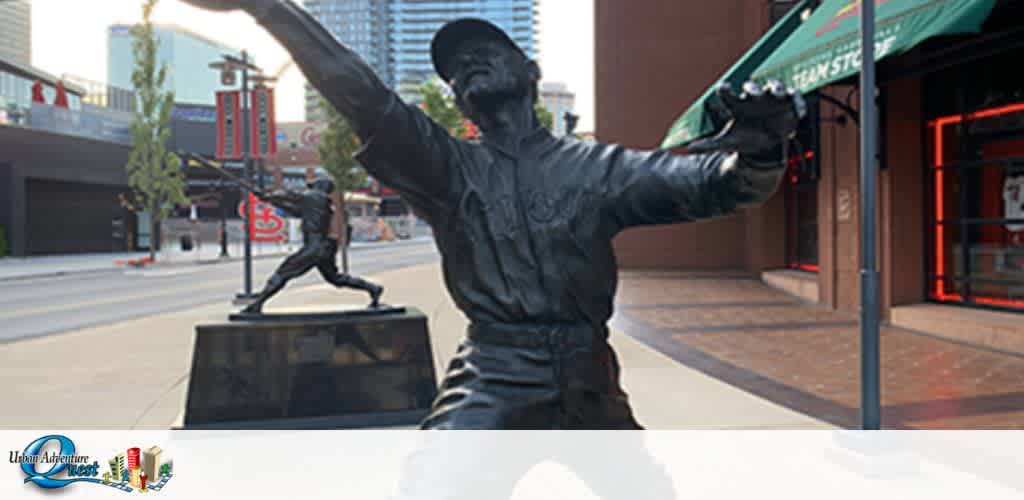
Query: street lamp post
[[871, 417], [229, 66]]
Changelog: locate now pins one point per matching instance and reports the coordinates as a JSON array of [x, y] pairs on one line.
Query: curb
[[160, 265]]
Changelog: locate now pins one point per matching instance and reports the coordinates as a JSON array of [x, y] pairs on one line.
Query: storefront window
[[801, 191], [977, 208]]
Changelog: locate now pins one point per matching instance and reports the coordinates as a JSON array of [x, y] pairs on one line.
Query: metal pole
[[223, 223], [869, 342], [247, 173], [344, 230]]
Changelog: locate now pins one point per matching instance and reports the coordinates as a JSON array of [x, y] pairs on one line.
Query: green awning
[[826, 48], [697, 121]]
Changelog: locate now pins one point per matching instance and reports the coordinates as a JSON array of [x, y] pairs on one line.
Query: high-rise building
[[393, 36], [151, 462], [187, 56], [414, 23], [16, 31], [363, 26], [559, 100]]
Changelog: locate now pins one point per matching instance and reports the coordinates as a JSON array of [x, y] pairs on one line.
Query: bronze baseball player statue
[[318, 250], [524, 221]]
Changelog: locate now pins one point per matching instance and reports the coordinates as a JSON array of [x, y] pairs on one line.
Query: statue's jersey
[[316, 212], [525, 232], [312, 206]]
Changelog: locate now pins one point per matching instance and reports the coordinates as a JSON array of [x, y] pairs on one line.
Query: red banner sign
[[262, 128], [229, 124]]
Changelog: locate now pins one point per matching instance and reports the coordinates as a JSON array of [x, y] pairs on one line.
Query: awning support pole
[[870, 386]]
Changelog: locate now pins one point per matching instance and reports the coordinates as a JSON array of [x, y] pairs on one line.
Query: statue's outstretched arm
[[340, 75]]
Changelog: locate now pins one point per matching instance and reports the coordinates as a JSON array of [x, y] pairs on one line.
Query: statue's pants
[[316, 252], [319, 252], [529, 376]]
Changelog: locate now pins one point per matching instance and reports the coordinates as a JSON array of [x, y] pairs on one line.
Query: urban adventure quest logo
[[52, 462]]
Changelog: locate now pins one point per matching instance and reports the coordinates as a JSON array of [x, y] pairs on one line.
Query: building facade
[[950, 182], [559, 100], [61, 168], [393, 36], [16, 31], [187, 56]]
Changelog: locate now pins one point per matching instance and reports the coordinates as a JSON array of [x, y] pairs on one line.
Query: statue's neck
[[509, 121]]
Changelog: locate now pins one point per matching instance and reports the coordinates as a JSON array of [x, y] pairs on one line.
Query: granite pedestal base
[[331, 370]]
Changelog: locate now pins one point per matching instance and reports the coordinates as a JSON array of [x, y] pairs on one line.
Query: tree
[[338, 143], [441, 107], [154, 173]]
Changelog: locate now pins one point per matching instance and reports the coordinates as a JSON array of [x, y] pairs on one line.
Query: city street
[[50, 305]]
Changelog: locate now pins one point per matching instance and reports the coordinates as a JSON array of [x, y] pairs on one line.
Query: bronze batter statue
[[524, 221], [318, 250]]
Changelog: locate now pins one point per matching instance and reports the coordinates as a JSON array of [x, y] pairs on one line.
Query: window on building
[[976, 207]]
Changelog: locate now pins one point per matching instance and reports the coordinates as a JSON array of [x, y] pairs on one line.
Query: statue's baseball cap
[[447, 40]]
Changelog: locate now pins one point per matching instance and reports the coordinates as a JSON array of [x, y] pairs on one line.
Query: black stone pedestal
[[305, 371]]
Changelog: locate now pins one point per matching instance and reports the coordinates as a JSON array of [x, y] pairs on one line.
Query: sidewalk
[[134, 374], [806, 358], [57, 265]]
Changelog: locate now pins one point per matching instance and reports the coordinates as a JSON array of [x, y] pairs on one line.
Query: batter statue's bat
[[194, 159]]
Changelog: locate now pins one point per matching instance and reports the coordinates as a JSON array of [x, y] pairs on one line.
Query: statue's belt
[[554, 336]]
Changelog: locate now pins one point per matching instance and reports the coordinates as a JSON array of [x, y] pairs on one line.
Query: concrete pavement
[[134, 374]]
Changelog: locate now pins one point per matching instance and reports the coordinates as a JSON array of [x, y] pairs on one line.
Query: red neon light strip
[[985, 113], [804, 267], [992, 301], [795, 159], [940, 214], [939, 292]]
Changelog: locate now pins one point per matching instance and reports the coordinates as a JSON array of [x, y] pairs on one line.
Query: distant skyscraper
[[556, 97], [16, 31], [362, 25], [393, 36], [414, 23], [186, 54]]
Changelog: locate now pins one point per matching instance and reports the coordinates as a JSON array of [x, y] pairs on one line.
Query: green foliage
[[441, 107], [154, 173], [546, 119], [338, 144], [3, 242]]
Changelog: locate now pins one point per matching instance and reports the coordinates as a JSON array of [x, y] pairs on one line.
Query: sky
[[69, 36]]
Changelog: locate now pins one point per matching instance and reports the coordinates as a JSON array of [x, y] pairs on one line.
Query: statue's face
[[487, 71]]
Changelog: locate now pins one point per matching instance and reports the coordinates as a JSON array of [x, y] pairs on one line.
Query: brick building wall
[[653, 59]]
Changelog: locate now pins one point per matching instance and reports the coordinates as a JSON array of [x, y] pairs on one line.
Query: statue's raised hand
[[229, 5], [756, 121]]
